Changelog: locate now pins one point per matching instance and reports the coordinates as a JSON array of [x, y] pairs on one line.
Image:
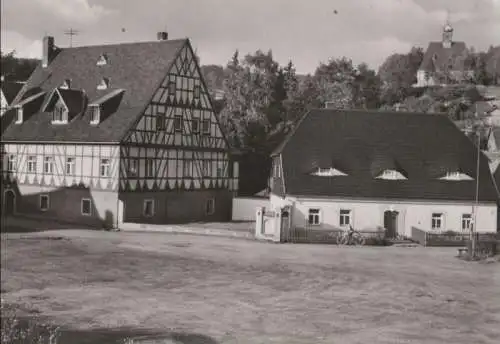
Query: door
[[10, 203], [391, 223]]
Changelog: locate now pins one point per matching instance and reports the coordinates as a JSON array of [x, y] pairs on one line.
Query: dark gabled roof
[[423, 146], [437, 56], [74, 99], [137, 68], [10, 89]]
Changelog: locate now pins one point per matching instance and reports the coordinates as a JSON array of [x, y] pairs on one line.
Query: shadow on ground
[[135, 337]]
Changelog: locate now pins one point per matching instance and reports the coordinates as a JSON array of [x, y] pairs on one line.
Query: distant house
[[445, 62], [395, 170], [122, 133], [8, 92]]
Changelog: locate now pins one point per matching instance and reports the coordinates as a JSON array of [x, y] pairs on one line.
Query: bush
[[16, 331]]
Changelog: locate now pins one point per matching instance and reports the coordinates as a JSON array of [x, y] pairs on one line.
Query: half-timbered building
[[117, 133]]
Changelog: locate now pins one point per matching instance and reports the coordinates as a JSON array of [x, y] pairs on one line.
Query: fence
[[327, 235], [448, 238], [244, 207]]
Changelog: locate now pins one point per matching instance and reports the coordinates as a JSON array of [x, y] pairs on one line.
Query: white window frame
[[40, 202], [133, 167], [466, 219], [205, 127], [210, 206], [90, 207], [345, 214], [59, 115], [314, 216], [70, 166], [11, 163], [48, 164], [95, 114], [178, 119], [103, 60], [197, 129], [31, 163], [146, 201], [105, 168], [104, 84], [197, 92], [435, 217], [206, 167], [149, 168], [19, 115], [187, 168], [277, 169]]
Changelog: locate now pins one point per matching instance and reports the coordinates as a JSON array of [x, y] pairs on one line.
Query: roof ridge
[[178, 40]]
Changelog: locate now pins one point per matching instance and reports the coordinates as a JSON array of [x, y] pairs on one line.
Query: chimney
[[48, 48], [162, 36]]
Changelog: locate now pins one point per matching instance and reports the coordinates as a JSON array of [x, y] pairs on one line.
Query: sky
[[307, 32]]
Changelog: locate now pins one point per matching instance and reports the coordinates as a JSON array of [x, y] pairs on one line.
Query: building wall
[[368, 215], [244, 208], [177, 207], [65, 204]]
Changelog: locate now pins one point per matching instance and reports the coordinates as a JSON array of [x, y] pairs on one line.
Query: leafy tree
[[16, 69]]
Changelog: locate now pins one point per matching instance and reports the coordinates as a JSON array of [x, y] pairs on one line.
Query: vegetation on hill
[[263, 100]]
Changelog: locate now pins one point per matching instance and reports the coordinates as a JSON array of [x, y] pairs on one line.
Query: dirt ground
[[241, 291]]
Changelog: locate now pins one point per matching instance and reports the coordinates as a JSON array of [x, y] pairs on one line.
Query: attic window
[[95, 114], [456, 176], [104, 84], [103, 60], [391, 175], [19, 115], [66, 84], [59, 114], [328, 172]]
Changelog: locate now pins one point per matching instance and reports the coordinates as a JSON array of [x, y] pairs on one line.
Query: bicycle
[[351, 237]]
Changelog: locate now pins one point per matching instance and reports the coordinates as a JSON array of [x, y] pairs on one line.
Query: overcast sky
[[307, 31]]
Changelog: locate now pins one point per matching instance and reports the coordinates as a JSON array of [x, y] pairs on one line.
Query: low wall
[[448, 238], [244, 207]]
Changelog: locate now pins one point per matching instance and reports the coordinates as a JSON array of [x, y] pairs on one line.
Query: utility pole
[[71, 32]]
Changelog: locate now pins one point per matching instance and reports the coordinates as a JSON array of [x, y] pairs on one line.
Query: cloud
[[305, 31], [77, 11], [23, 47]]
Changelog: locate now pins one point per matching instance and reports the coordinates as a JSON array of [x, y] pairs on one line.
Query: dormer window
[[104, 84], [103, 60], [391, 175], [59, 114], [66, 84], [95, 114], [328, 172], [456, 176], [19, 115]]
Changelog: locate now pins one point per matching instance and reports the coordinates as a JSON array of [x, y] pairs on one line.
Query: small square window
[[86, 207], [150, 168], [172, 88], [160, 122], [70, 166], [466, 222], [210, 206], [205, 127], [196, 91], [437, 221], [188, 168], [195, 126], [148, 208], [44, 202], [314, 217], [105, 168], [345, 217], [178, 123]]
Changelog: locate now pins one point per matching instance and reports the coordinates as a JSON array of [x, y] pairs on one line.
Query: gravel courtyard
[[242, 291]]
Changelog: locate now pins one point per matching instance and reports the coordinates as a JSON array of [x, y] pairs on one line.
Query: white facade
[[367, 215]]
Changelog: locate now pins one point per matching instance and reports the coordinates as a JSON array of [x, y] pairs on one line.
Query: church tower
[[447, 35]]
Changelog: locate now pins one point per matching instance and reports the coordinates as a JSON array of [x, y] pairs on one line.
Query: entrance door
[[10, 202], [391, 223]]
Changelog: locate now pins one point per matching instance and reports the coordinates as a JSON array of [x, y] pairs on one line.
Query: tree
[[335, 83], [16, 69]]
